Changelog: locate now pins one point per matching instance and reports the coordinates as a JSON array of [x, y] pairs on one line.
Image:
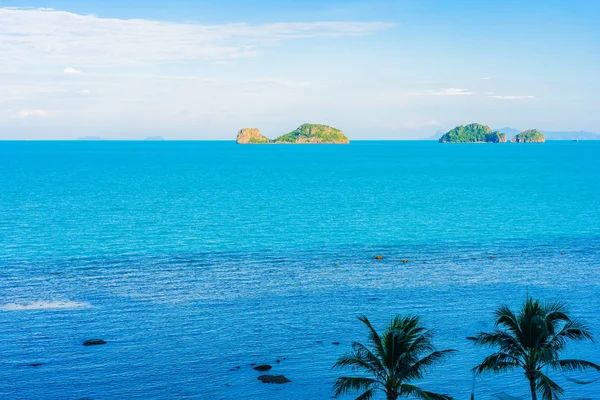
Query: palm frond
[[497, 338], [497, 363], [367, 395], [418, 369], [415, 391], [574, 365], [374, 337], [344, 384], [357, 361], [547, 388]]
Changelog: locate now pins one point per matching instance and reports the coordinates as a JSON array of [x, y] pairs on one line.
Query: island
[[473, 133], [155, 138], [529, 136], [304, 134]]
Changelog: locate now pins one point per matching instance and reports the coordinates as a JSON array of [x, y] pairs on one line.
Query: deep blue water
[[192, 258]]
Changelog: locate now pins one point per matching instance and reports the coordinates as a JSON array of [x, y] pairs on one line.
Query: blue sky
[[376, 69]]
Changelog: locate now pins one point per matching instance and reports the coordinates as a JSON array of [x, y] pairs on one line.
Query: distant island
[[556, 135], [155, 138], [529, 136], [473, 133], [304, 134], [90, 138]]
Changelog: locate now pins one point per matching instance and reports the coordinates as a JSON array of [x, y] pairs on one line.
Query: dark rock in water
[[404, 261], [492, 257], [277, 361], [336, 343], [252, 365], [279, 379], [34, 365], [319, 341], [94, 342], [264, 367]]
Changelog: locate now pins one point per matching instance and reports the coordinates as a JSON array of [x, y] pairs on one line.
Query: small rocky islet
[[304, 134], [478, 133], [529, 136]]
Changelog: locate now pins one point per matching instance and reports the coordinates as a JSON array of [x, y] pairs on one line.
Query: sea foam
[[44, 305]]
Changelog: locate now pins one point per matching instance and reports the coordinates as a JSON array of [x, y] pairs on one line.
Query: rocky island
[[473, 133], [304, 134], [529, 136]]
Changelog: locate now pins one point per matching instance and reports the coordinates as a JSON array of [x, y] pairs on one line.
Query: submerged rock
[[264, 367], [278, 379], [94, 342]]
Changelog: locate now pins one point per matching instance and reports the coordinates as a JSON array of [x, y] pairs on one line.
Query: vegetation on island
[[392, 361], [473, 133], [304, 134], [313, 133], [532, 340], [529, 136]]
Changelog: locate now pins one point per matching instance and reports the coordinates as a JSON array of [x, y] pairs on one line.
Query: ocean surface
[[193, 258]]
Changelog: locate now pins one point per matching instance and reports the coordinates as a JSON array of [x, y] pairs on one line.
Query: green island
[[529, 136], [304, 134], [473, 133]]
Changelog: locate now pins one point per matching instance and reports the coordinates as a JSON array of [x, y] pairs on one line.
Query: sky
[[202, 70]]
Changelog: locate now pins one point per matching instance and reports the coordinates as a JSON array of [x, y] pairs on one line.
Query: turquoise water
[[193, 258]]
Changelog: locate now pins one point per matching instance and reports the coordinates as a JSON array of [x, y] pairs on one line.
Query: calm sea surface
[[193, 258]]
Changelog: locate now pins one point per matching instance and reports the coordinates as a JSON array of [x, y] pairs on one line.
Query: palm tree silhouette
[[401, 355]]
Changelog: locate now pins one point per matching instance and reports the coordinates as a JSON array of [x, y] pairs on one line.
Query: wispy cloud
[[445, 92], [34, 114], [63, 38], [511, 97], [70, 70]]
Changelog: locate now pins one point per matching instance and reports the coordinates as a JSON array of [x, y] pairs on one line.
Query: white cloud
[[70, 70], [486, 79], [33, 114], [59, 38], [511, 97], [446, 92]]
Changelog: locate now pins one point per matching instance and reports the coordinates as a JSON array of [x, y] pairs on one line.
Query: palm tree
[[401, 355], [532, 341]]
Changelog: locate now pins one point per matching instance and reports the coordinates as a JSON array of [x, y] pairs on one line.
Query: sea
[[194, 260]]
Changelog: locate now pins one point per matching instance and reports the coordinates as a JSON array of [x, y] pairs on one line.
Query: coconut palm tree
[[401, 355], [533, 340]]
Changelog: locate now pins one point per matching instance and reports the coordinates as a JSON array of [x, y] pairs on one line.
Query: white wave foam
[[44, 305]]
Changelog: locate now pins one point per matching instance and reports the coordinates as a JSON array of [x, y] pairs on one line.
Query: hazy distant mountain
[[155, 138], [556, 135], [581, 135], [438, 134], [90, 138]]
